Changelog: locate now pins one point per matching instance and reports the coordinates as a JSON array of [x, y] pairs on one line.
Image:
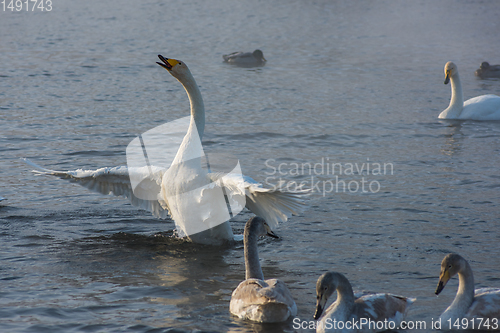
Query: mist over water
[[345, 82]]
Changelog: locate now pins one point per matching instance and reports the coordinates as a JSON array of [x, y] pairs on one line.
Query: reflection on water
[[454, 137]]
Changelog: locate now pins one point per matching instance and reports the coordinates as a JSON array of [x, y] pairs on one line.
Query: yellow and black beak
[[166, 62], [447, 77], [443, 279], [320, 305], [270, 232], [319, 312]]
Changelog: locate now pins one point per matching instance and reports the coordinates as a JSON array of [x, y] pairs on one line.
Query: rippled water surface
[[347, 83]]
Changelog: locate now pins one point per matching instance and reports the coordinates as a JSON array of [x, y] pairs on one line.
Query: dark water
[[347, 84]]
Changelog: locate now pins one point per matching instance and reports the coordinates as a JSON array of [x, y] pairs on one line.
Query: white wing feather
[[272, 204], [115, 180]]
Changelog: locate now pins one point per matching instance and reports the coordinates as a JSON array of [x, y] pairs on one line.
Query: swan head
[[450, 266], [450, 69], [177, 68], [325, 286], [258, 226]]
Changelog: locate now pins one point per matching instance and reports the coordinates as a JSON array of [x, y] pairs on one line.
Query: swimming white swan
[[186, 175], [484, 107], [256, 299], [482, 303], [488, 71], [348, 309], [245, 59]]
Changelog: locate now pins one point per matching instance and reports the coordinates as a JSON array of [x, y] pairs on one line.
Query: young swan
[[484, 107], [482, 304], [351, 312], [266, 301]]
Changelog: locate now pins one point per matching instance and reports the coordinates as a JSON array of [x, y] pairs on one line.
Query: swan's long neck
[[191, 149], [457, 98], [197, 106], [465, 293], [345, 295], [252, 264]]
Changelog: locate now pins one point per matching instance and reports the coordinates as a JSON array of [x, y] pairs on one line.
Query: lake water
[[351, 84]]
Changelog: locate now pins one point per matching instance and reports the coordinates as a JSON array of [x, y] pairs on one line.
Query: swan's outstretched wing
[[116, 181], [272, 204]]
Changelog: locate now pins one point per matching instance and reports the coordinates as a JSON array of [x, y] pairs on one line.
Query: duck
[[347, 310], [484, 107], [245, 59], [488, 71], [185, 190], [483, 303], [256, 299]]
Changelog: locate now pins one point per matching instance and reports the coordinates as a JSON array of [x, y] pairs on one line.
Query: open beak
[[166, 63], [447, 78], [443, 279]]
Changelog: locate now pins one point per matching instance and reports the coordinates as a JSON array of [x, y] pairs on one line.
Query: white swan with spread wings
[[185, 190]]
